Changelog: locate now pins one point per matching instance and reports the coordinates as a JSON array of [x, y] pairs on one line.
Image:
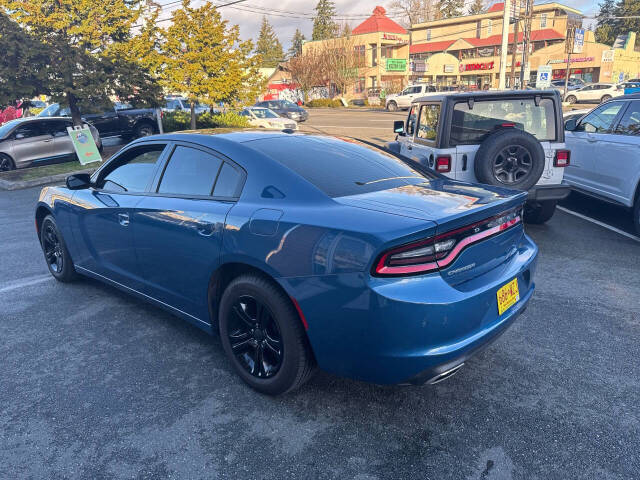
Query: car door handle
[[123, 219], [48, 140], [409, 147]]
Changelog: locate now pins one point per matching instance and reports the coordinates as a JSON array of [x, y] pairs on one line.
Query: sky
[[287, 15]]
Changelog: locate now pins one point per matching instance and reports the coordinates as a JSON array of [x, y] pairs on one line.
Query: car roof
[[629, 96], [479, 94]]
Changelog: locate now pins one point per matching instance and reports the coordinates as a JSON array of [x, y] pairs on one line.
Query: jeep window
[[411, 121], [471, 126], [428, 124]]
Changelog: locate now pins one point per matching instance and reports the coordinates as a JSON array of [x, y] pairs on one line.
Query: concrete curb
[[34, 182]]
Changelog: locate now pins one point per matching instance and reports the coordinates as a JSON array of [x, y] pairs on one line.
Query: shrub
[[324, 102], [180, 120]]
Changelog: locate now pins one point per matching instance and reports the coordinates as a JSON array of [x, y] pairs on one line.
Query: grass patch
[[32, 173]]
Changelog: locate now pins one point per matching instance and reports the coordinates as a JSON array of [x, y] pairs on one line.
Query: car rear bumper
[[413, 329], [541, 193]]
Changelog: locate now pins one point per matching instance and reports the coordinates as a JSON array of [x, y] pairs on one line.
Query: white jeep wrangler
[[512, 139], [403, 99]]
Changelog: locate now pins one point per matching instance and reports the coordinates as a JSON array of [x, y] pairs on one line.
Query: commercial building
[[466, 50], [383, 46]]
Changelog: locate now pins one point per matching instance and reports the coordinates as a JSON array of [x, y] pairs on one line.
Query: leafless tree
[[340, 63], [414, 11], [307, 70]]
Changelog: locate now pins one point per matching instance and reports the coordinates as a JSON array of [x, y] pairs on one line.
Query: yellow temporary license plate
[[508, 295]]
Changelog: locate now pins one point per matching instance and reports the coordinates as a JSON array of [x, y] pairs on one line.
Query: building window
[[374, 54], [489, 27], [359, 86], [543, 20], [428, 34], [360, 52], [478, 29], [373, 82]]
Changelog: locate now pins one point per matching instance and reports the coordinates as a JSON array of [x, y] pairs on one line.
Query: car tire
[[6, 163], [144, 130], [510, 158], [605, 98], [277, 337], [571, 99], [55, 251], [537, 213], [392, 106]]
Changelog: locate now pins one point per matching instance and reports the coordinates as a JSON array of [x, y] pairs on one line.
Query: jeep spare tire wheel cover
[[510, 158]]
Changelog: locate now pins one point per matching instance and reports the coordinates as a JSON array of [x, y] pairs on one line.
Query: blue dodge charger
[[300, 251]]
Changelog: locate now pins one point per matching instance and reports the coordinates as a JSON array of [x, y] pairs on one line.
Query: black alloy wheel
[[512, 164], [255, 338], [6, 163], [52, 248]]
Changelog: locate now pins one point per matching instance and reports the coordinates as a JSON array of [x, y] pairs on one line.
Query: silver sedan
[[31, 141]]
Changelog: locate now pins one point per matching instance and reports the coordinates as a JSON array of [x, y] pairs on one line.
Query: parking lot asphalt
[[96, 384]]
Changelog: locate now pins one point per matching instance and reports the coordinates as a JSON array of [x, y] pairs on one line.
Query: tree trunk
[[193, 115], [75, 110]]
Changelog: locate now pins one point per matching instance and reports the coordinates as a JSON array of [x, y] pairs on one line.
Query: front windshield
[[7, 127], [264, 113]]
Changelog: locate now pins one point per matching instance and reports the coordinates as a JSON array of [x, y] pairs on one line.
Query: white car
[[403, 99], [594, 93], [265, 118]]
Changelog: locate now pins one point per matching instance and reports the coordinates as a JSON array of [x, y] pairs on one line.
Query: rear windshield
[[342, 167], [471, 126]]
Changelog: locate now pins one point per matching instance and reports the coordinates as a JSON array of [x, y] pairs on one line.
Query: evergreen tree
[[628, 8], [450, 8], [346, 30], [83, 41], [324, 26], [606, 27], [268, 46], [296, 44], [477, 7]]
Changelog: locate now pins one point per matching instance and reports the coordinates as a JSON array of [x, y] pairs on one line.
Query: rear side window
[[228, 184], [189, 172], [411, 120], [601, 119], [342, 167], [58, 128], [428, 125], [132, 171], [630, 123], [472, 125]]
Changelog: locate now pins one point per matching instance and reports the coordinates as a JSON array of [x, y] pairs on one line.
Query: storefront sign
[[396, 64], [485, 52], [573, 60], [419, 66], [608, 55], [468, 67], [448, 68], [388, 36]]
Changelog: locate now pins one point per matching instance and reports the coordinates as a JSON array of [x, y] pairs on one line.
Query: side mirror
[[78, 181], [570, 125], [19, 136], [398, 126]]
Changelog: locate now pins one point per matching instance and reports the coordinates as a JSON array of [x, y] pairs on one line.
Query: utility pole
[[505, 45], [571, 32], [516, 28], [526, 42]]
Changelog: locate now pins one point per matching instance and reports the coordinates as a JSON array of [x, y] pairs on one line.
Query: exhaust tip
[[444, 375]]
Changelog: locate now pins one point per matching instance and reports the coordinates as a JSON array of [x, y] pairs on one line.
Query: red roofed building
[[465, 51], [383, 46]]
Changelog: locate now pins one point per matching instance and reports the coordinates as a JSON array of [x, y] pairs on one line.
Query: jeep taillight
[[443, 163], [434, 253], [562, 158]]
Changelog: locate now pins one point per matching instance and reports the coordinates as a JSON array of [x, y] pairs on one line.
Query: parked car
[[33, 141], [606, 153], [513, 139], [112, 120], [265, 118], [574, 84], [285, 108], [594, 93], [174, 104], [388, 273], [403, 100], [630, 87]]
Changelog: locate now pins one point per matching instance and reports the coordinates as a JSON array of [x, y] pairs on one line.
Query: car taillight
[[562, 158], [443, 163], [437, 252]]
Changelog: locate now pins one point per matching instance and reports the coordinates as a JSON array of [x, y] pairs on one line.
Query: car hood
[[441, 201]]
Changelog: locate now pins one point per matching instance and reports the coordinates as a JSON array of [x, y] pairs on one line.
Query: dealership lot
[[97, 384]]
